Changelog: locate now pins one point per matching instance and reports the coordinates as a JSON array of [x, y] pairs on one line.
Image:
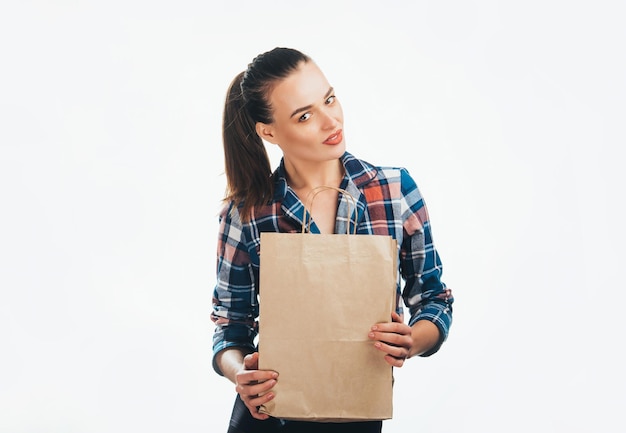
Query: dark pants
[[242, 421]]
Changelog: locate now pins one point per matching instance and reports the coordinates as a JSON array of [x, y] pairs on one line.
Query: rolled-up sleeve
[[424, 293], [235, 304]]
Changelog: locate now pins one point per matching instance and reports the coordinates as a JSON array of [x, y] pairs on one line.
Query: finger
[[394, 362], [392, 327], [251, 390], [392, 338], [258, 415], [254, 411], [394, 334], [255, 376], [254, 402], [397, 352]]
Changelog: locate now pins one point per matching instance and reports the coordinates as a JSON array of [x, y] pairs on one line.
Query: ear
[[266, 132]]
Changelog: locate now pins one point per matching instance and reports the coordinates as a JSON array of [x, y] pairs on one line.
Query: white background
[[510, 116]]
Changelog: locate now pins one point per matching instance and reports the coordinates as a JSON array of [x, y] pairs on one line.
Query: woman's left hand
[[394, 339]]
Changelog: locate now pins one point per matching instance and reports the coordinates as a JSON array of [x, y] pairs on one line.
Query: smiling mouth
[[335, 138]]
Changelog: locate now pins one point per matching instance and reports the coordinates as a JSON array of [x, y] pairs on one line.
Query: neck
[[306, 176]]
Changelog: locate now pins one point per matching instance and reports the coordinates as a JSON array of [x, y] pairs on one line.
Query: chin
[[339, 149]]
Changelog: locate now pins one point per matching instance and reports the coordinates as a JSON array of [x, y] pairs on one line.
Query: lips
[[335, 138]]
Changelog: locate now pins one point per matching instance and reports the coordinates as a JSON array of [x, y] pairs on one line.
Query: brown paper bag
[[319, 297]]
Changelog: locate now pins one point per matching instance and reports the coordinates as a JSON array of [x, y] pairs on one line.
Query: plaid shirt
[[388, 203]]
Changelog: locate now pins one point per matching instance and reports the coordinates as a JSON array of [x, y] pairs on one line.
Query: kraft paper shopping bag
[[319, 297]]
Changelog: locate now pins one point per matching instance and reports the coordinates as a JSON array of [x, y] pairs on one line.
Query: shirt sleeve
[[426, 296], [235, 303]]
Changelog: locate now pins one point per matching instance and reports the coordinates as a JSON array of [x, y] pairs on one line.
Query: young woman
[[285, 99]]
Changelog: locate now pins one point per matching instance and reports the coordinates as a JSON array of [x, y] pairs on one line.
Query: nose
[[330, 120]]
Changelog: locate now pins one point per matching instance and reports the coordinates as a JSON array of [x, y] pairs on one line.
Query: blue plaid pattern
[[388, 203]]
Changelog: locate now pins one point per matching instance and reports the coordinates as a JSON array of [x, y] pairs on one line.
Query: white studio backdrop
[[508, 114]]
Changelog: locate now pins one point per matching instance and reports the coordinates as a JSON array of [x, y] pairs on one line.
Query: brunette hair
[[249, 180]]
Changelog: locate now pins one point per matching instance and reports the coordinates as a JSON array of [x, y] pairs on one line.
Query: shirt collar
[[358, 174]]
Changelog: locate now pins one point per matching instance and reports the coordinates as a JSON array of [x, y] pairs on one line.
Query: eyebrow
[[308, 107]]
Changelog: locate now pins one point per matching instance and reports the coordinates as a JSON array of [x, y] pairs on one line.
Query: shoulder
[[230, 213], [366, 174], [266, 218]]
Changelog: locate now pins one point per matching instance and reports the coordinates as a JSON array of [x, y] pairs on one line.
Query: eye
[[331, 99], [304, 117]]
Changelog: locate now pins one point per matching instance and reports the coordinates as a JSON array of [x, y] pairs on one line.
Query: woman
[[285, 99]]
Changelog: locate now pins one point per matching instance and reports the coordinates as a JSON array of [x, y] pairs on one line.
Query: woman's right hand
[[253, 385]]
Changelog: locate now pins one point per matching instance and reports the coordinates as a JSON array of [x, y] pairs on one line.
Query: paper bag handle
[[315, 191]]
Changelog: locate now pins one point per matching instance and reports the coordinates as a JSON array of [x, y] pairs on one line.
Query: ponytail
[[247, 166], [249, 180]]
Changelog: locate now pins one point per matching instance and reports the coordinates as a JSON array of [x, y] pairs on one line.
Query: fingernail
[[371, 334], [275, 375], [374, 328]]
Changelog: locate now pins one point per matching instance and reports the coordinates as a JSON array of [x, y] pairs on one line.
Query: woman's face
[[308, 120]]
